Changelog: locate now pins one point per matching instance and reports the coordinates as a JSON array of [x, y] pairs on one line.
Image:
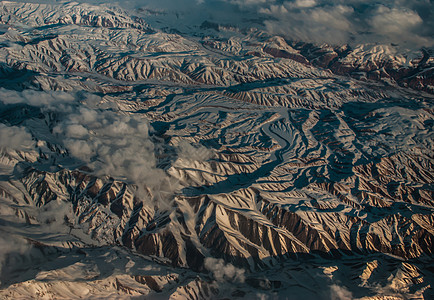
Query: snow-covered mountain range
[[207, 162]]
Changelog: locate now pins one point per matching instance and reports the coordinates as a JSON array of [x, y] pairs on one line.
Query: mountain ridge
[[147, 163]]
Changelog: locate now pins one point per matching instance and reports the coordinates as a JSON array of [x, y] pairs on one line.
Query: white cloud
[[16, 138], [79, 149], [116, 145], [305, 3], [76, 131], [224, 272], [187, 151], [340, 293], [408, 23], [312, 24], [110, 143], [395, 23], [333, 21]]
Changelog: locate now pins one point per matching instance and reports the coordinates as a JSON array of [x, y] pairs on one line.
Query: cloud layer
[[95, 134], [112, 144], [403, 22], [408, 23]]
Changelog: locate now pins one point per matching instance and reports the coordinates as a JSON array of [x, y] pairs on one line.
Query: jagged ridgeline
[[136, 160]]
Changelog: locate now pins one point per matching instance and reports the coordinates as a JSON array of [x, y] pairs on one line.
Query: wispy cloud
[[36, 98], [409, 23], [304, 21], [187, 151], [338, 292]]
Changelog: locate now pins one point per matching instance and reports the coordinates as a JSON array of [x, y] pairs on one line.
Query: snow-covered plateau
[[147, 161]]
